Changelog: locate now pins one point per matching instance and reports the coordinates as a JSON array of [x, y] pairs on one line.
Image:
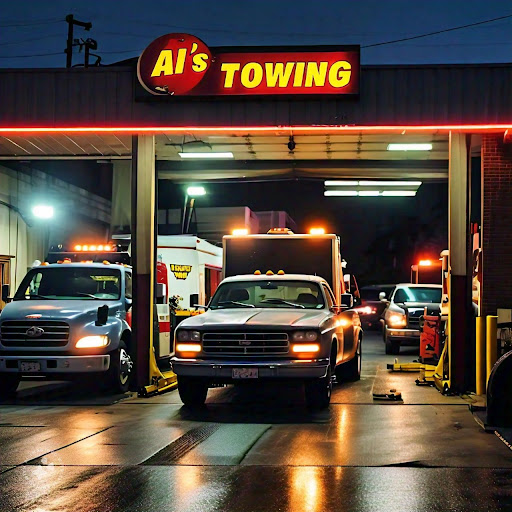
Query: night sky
[[124, 28], [380, 237]]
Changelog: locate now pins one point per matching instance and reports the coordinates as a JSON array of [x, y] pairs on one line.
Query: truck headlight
[[304, 336], [397, 320], [188, 347], [185, 335], [301, 348], [92, 342]]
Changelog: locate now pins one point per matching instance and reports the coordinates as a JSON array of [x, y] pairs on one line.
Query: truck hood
[[258, 317], [54, 309]]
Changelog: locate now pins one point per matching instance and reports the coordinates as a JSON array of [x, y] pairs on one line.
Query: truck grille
[[414, 318], [17, 333], [248, 343]]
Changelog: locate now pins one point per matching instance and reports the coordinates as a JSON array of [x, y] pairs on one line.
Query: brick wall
[[496, 224]]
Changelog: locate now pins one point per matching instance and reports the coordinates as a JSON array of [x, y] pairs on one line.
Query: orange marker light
[[92, 248], [317, 231], [240, 232], [100, 247], [425, 263], [108, 247], [85, 247], [270, 273], [301, 348], [78, 247]]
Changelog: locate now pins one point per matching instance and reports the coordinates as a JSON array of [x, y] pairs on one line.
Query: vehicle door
[[338, 328]]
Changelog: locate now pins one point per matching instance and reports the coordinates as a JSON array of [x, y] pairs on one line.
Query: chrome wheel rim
[[125, 366]]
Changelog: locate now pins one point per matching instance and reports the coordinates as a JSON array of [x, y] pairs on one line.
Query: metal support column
[[143, 253], [460, 312]]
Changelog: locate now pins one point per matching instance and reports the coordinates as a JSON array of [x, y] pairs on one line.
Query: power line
[[53, 36], [438, 32], [31, 23], [28, 56]]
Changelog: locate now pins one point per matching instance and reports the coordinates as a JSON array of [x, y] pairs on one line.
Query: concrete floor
[[62, 449]]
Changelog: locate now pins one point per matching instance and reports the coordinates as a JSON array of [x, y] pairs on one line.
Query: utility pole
[[70, 20]]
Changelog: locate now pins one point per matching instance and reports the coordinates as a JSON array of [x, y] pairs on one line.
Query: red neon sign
[[181, 64]]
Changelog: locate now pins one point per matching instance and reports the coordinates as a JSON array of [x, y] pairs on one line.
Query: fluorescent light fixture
[[399, 193], [226, 154], [410, 147], [340, 193], [341, 183], [390, 183], [42, 211], [368, 193], [196, 191]]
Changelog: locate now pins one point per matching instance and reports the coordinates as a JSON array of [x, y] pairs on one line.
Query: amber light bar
[[276, 130]]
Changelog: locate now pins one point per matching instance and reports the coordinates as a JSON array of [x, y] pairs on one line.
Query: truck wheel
[[192, 390], [318, 391], [118, 375], [351, 370], [9, 384], [392, 347]]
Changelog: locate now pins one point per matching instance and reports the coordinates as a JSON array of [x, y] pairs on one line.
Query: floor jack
[[432, 373]]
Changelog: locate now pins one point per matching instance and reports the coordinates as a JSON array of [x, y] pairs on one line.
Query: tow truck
[[66, 321], [272, 324]]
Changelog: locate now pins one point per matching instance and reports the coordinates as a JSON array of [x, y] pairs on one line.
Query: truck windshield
[[268, 294], [87, 283], [420, 294]]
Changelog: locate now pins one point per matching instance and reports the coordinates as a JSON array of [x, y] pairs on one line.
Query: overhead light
[[225, 154], [42, 211], [399, 193], [341, 183], [196, 191], [340, 193], [368, 193], [410, 147], [390, 183]]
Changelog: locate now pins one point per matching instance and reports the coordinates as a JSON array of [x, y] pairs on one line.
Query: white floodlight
[[390, 183], [42, 211], [339, 183], [340, 193], [224, 154], [399, 193], [196, 191], [410, 147]]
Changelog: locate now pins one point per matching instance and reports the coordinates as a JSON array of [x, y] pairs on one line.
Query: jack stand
[[160, 381]]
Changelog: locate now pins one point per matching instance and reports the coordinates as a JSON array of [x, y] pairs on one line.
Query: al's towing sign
[[181, 64]]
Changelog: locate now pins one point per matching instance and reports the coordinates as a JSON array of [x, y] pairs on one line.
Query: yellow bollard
[[480, 356], [491, 344]]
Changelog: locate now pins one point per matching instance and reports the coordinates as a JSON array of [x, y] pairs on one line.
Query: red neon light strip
[[253, 129]]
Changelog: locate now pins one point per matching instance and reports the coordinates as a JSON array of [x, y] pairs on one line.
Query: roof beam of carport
[[221, 170]]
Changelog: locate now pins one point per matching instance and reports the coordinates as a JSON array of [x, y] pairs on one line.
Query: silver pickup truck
[[67, 321], [260, 327]]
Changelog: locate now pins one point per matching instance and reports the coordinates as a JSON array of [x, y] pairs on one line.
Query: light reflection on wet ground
[[251, 450]]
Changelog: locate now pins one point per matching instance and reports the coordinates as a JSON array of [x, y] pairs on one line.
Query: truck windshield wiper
[[88, 295], [235, 303], [282, 301]]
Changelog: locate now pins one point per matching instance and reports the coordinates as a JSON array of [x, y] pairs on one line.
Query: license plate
[[245, 373], [30, 366]]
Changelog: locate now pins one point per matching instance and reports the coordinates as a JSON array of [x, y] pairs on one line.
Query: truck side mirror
[[160, 293], [194, 299], [5, 292], [102, 315], [128, 304], [347, 300], [382, 296]]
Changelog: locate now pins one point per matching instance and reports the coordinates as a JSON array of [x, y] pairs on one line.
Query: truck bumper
[[405, 336], [223, 370], [55, 364]]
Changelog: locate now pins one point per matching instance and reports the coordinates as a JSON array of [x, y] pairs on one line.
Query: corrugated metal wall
[[389, 95]]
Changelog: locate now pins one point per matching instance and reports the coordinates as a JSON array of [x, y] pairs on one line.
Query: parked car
[[276, 327], [401, 319], [371, 307]]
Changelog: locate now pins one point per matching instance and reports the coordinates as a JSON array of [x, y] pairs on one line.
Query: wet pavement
[[63, 449]]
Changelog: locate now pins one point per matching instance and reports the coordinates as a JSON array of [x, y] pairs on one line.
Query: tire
[[119, 373], [351, 370], [9, 384], [192, 390], [318, 391], [392, 347]]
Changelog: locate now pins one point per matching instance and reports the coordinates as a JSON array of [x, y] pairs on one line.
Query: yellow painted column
[[480, 356], [491, 343]]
